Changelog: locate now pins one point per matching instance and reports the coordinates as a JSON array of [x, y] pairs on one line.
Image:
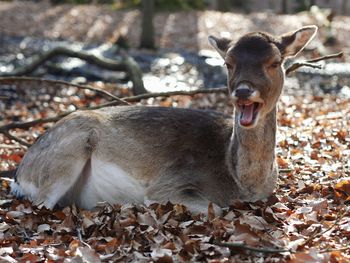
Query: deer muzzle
[[248, 104]]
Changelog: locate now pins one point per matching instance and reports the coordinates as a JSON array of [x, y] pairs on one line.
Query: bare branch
[[242, 246], [10, 146], [29, 124], [40, 59], [126, 64], [297, 65], [8, 174], [334, 249], [285, 170], [174, 93], [12, 137], [11, 80], [124, 101], [336, 55], [319, 234], [311, 63]]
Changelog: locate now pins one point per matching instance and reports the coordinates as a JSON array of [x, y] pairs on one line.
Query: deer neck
[[251, 158]]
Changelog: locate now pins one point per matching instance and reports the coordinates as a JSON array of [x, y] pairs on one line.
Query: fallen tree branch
[[15, 138], [242, 246], [29, 124], [135, 74], [311, 63], [285, 170], [174, 93], [117, 101], [9, 146], [334, 249], [8, 174], [125, 64], [319, 234], [38, 60], [11, 80]]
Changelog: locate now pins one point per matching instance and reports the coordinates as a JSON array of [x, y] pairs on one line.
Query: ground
[[306, 220], [180, 30]]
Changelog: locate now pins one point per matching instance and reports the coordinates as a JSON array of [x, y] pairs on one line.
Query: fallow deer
[[129, 154]]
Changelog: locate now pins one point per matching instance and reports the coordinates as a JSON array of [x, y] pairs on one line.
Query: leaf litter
[[306, 220]]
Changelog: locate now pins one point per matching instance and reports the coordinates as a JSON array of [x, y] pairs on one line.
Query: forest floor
[[306, 220]]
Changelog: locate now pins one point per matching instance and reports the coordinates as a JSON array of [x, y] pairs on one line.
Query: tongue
[[247, 115]]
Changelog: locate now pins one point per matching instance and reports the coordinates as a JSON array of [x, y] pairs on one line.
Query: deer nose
[[243, 92]]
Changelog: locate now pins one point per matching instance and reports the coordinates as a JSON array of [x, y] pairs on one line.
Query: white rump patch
[[108, 182]]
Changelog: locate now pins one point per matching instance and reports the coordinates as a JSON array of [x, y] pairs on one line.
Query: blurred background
[[166, 38]]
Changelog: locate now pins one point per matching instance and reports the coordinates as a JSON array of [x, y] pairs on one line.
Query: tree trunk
[[147, 34], [135, 75], [223, 5], [344, 6], [284, 7]]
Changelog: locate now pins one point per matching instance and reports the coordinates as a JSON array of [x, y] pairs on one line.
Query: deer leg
[[195, 202], [53, 166], [182, 193], [58, 191]]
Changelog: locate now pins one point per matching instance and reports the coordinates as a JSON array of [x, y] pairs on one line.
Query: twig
[[28, 124], [285, 170], [26, 236], [12, 137], [8, 174], [311, 62], [117, 101], [79, 235], [10, 80], [319, 234], [10, 146], [297, 65], [336, 55], [334, 249], [125, 64], [80, 230], [4, 98], [40, 59], [174, 93], [234, 246]]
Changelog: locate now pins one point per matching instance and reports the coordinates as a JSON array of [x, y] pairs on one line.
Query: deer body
[[130, 154]]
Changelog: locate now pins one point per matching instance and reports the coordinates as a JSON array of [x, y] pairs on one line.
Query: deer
[[135, 154]]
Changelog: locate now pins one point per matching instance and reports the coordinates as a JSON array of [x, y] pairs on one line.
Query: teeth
[[257, 107], [245, 103]]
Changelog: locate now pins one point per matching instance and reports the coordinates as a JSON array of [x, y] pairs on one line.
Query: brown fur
[[182, 155]]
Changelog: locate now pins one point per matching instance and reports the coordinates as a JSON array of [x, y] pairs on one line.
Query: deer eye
[[228, 65], [275, 64]]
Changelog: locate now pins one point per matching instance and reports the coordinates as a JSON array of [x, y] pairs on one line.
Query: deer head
[[255, 70]]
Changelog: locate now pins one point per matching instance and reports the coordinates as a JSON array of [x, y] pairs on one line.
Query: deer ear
[[294, 42], [220, 44]]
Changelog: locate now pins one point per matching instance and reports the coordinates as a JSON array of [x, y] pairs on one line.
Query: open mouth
[[249, 111]]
